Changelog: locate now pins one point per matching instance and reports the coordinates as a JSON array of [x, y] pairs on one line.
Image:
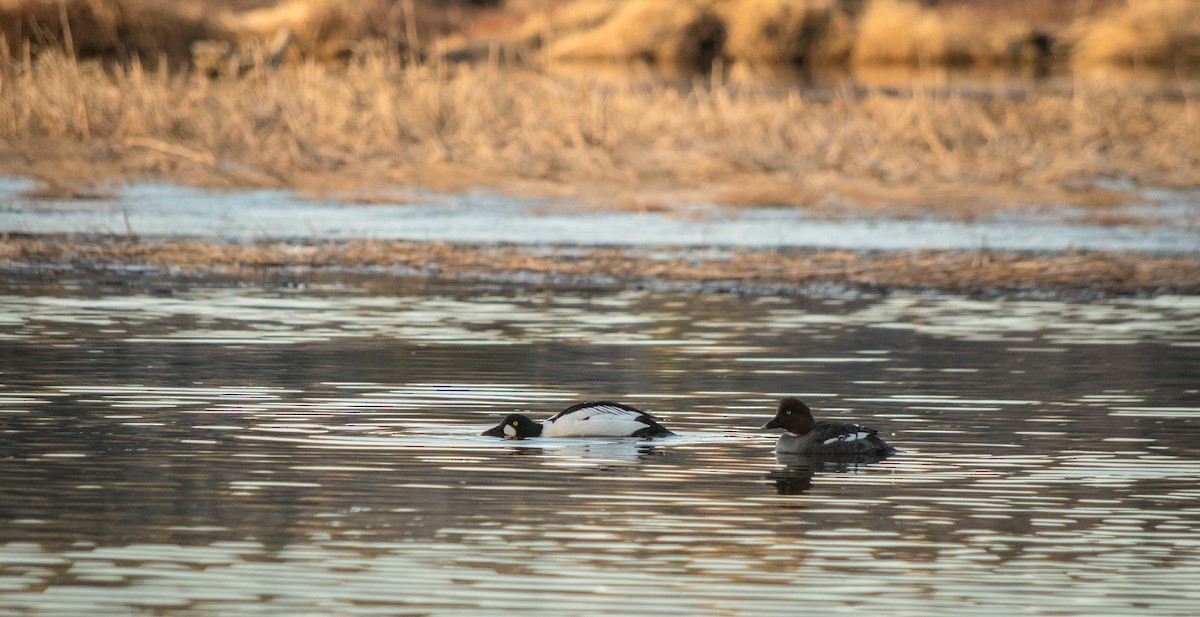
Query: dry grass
[[903, 32], [335, 29], [152, 29], [898, 31], [812, 33], [953, 271], [662, 31], [378, 123], [1046, 13], [325, 28], [819, 33]]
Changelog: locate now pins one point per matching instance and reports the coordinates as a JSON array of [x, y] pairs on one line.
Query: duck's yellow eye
[[514, 423], [789, 412]]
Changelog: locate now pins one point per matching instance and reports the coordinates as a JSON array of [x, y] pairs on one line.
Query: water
[[1168, 223], [205, 449]]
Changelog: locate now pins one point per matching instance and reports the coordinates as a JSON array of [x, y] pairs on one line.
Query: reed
[[380, 121]]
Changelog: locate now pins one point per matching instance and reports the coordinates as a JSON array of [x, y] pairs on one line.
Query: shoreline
[[1072, 274], [383, 126], [365, 129]]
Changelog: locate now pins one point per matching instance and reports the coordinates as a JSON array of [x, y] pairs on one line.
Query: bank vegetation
[[351, 100]]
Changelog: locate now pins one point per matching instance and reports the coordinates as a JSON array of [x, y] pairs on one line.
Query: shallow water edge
[[1148, 247], [1153, 222]]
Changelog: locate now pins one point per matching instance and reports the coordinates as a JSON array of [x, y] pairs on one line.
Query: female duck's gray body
[[808, 437], [590, 419]]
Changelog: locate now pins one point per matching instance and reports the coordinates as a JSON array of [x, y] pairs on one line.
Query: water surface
[[1167, 222], [215, 450]]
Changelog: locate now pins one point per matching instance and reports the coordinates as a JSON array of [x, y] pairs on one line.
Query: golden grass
[[325, 28], [811, 33], [335, 29], [662, 31], [379, 122], [1155, 32], [154, 29], [895, 31], [819, 33], [903, 32]]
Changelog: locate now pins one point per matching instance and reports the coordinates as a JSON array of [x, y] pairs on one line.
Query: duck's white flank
[[590, 419], [595, 420]]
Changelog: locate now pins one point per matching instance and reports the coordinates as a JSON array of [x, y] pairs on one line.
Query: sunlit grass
[[378, 122], [377, 117], [1155, 32]]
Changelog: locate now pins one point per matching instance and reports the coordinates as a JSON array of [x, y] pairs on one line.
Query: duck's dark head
[[793, 416], [515, 426]]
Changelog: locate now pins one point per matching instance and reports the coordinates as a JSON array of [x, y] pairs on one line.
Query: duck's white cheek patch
[[510, 430]]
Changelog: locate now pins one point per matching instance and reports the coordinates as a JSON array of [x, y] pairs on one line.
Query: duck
[[589, 419], [807, 437]]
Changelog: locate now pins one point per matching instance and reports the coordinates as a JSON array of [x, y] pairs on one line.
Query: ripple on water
[[254, 451]]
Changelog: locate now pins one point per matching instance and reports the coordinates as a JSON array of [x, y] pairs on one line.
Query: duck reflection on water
[[589, 451], [795, 476]]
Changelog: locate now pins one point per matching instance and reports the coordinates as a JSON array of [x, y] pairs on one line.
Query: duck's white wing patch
[[599, 419], [854, 436], [832, 433]]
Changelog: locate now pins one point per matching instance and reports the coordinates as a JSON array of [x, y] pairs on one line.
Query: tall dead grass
[[378, 122]]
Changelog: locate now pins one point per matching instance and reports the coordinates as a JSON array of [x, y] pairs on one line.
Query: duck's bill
[[774, 423], [495, 431]]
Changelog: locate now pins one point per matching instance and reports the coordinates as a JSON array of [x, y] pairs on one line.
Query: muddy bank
[[726, 270]]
